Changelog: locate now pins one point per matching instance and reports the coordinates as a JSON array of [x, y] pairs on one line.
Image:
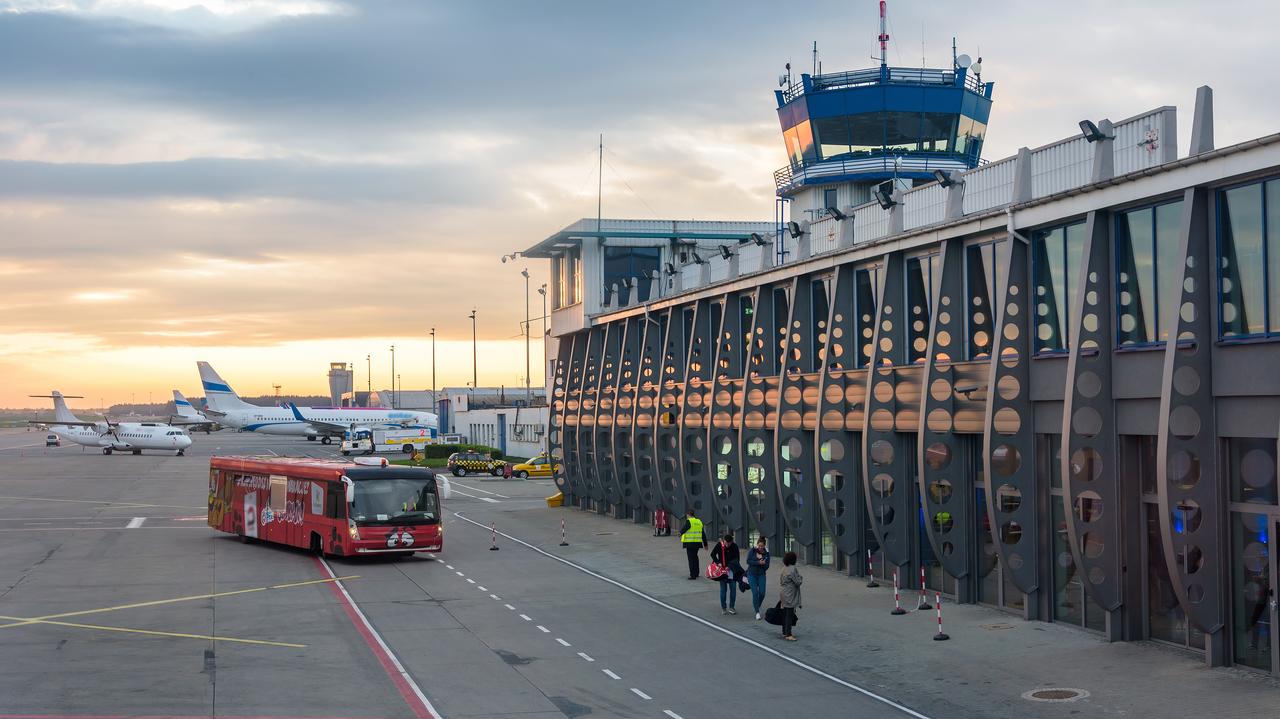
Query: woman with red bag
[[727, 564]]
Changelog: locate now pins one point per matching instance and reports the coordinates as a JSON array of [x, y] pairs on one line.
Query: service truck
[[368, 441]]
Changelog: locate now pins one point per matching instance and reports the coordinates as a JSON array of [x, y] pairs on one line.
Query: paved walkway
[[992, 659]]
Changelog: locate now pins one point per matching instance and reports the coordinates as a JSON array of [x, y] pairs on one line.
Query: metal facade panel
[[606, 406], [945, 482], [675, 355], [835, 447], [592, 366], [1145, 141], [884, 452], [760, 402], [1191, 501], [1061, 166], [642, 439], [795, 479], [695, 412], [924, 206], [824, 235], [573, 416], [559, 401], [870, 222], [725, 467], [988, 186], [624, 465], [1090, 463], [1008, 439]]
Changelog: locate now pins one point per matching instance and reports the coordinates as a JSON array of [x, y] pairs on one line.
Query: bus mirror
[[351, 489]]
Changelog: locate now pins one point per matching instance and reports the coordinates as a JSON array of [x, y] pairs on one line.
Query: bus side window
[[336, 501], [279, 493]]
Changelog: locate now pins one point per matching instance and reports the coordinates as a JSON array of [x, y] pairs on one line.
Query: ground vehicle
[[328, 506], [368, 441], [540, 466], [51, 440], [462, 463]]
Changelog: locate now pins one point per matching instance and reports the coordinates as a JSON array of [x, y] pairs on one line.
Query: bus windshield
[[395, 500]]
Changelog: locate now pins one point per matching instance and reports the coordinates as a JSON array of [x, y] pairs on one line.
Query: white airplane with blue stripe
[[226, 408], [186, 415]]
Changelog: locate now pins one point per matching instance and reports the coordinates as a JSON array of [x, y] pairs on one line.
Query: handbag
[[773, 615], [716, 570]]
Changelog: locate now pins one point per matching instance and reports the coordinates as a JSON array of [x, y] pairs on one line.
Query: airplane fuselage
[[126, 437], [281, 420]]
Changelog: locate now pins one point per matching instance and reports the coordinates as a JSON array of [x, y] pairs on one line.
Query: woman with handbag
[[757, 567], [790, 583], [726, 563]]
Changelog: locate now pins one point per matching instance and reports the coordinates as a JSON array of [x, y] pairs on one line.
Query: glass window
[[866, 132], [922, 273], [1056, 256], [1252, 541], [969, 136], [634, 264], [1249, 245], [799, 140], [1148, 271], [829, 199], [865, 281], [1253, 470], [832, 135]]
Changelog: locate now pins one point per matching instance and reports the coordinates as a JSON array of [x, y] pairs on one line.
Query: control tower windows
[[873, 132], [799, 141], [635, 264], [969, 135]]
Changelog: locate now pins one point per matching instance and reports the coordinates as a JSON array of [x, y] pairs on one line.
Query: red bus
[[331, 507]]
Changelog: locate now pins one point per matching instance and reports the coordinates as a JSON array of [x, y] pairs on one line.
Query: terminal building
[[1048, 381]]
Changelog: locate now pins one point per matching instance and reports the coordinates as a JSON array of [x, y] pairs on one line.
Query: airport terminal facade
[[1050, 381]]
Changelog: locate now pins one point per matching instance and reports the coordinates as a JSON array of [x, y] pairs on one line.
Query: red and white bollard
[[563, 542], [940, 636], [871, 572], [923, 601], [493, 547], [897, 601]]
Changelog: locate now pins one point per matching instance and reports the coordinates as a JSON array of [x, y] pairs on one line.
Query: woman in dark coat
[[725, 553]]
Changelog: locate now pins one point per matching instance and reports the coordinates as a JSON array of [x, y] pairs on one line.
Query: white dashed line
[[543, 629], [450, 566], [495, 597], [460, 574], [508, 606], [610, 674], [489, 500], [481, 588], [584, 656], [135, 522], [526, 617], [671, 714], [641, 694], [563, 643], [470, 580]]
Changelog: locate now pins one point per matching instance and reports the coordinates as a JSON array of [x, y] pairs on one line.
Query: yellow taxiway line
[[154, 633], [114, 504]]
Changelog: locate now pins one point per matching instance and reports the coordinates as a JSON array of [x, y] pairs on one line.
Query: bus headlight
[[355, 533]]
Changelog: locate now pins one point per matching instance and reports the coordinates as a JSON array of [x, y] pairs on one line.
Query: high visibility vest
[[695, 532]]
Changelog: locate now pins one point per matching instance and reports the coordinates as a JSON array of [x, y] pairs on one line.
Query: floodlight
[[724, 252], [1092, 133], [945, 178], [697, 258], [759, 239], [836, 213], [671, 269], [793, 227], [885, 198]]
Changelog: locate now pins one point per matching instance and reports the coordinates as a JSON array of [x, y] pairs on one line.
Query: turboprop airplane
[[112, 436], [226, 407]]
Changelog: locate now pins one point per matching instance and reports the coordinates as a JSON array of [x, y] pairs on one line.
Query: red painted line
[[150, 716], [420, 709]]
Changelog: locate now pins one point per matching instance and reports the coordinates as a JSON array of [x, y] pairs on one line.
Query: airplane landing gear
[[106, 450], [311, 438], [180, 453], [326, 440], [137, 451]]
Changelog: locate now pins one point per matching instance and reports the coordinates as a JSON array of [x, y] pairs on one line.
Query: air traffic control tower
[[847, 133]]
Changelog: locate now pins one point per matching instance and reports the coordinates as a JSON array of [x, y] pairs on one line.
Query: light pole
[[393, 376], [543, 291], [434, 402], [474, 382], [528, 390], [368, 378]]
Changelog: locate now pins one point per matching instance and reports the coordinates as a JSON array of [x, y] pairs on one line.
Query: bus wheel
[[407, 449], [317, 544], [326, 440]]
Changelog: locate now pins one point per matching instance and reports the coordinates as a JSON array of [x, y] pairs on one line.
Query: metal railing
[[792, 176]]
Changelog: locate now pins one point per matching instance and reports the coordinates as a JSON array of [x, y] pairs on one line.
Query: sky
[[272, 186]]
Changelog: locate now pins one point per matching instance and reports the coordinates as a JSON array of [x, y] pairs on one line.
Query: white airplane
[[113, 436], [226, 407], [186, 415]]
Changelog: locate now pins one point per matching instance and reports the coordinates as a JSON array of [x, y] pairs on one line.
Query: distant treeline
[[155, 409]]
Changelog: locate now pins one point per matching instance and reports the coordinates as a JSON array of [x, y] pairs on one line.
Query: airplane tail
[[217, 392], [60, 411], [183, 407]]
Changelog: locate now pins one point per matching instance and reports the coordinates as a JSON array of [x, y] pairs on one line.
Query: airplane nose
[[184, 442]]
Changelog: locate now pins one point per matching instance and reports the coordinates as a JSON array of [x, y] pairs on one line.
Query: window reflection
[[1249, 243], [982, 265], [636, 265], [866, 281], [1148, 272], [922, 273], [1056, 256]]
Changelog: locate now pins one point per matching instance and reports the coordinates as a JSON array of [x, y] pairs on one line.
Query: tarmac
[[117, 600]]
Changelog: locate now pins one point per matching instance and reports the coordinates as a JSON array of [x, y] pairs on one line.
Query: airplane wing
[[326, 427], [63, 424]]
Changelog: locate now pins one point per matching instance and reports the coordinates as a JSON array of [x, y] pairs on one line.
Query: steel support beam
[[726, 412], [675, 356], [796, 470], [695, 409], [559, 402], [624, 464], [760, 401]]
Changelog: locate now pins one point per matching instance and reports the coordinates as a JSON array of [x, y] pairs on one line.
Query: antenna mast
[[884, 35], [600, 183]]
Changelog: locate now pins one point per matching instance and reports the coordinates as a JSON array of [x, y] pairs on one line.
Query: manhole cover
[[604, 534], [1055, 694], [996, 627]]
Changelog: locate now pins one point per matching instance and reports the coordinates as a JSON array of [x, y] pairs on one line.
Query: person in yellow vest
[[693, 538]]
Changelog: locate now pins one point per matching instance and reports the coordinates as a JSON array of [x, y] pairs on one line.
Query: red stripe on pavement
[[420, 710]]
